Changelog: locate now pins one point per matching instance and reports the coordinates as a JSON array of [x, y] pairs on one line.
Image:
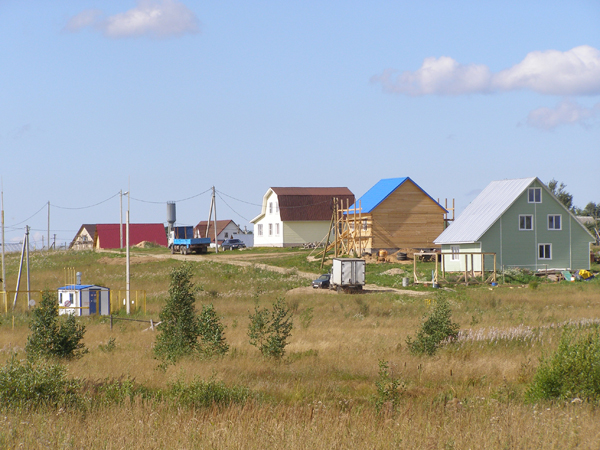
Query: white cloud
[[566, 112], [83, 19], [156, 18], [574, 72]]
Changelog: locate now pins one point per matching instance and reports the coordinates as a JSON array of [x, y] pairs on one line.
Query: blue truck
[[182, 240]]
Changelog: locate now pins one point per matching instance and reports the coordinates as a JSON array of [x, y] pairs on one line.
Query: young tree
[[212, 340], [179, 329], [269, 330], [559, 190], [436, 328], [51, 336]]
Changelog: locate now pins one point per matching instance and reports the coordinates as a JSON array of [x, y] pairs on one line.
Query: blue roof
[[382, 190], [78, 287]]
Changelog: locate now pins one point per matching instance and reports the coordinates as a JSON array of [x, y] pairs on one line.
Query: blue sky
[[178, 96]]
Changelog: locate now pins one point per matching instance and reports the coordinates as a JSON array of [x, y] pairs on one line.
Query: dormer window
[[270, 207], [535, 195]]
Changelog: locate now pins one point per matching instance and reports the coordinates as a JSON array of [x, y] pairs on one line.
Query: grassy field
[[471, 394]]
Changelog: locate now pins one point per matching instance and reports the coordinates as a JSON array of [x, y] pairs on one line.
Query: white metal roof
[[484, 211]]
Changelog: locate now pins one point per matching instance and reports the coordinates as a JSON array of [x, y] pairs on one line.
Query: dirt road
[[248, 260]]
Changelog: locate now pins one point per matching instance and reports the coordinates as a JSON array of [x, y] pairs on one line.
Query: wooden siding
[[406, 218]]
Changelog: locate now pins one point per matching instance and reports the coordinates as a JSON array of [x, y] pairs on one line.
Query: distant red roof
[[310, 203], [107, 234], [200, 229]]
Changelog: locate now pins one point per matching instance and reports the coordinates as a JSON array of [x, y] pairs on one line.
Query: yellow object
[[585, 274]]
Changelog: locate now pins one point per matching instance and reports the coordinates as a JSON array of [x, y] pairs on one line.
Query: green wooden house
[[523, 223]]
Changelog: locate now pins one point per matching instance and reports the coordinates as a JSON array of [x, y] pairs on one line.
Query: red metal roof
[[310, 203], [107, 234]]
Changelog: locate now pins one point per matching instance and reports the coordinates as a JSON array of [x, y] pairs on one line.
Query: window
[[260, 229], [535, 195], [554, 222], [270, 229], [365, 226], [276, 229], [276, 207], [526, 222], [545, 251], [270, 207], [226, 235], [455, 249]]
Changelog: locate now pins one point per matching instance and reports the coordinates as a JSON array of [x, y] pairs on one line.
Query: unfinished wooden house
[[395, 213]]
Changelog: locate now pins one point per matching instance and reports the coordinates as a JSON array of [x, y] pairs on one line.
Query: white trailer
[[347, 274]]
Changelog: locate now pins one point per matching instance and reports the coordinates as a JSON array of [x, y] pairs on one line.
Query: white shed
[[84, 300]]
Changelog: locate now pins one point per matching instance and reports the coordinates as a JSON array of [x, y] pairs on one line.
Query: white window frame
[[552, 222], [270, 229], [276, 207], [525, 216], [531, 195], [545, 247], [270, 207], [260, 229], [276, 229], [455, 250]]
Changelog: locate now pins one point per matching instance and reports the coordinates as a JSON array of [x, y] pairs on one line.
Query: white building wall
[[268, 231], [298, 233]]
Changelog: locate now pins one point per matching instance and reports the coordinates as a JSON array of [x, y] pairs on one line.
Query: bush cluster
[[32, 384], [572, 371], [436, 328], [53, 336]]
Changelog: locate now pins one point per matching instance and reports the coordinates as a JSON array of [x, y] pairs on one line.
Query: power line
[[176, 201], [14, 225], [223, 200], [86, 207], [280, 206]]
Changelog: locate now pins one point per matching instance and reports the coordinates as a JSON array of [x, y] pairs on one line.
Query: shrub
[[201, 393], [436, 329], [306, 316], [211, 332], [389, 388], [53, 336], [573, 371], [269, 330], [179, 329], [31, 384]]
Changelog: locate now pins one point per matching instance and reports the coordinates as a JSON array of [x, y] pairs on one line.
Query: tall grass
[[471, 394]]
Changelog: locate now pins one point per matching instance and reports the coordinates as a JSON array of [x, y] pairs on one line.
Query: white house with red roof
[[293, 216], [226, 229]]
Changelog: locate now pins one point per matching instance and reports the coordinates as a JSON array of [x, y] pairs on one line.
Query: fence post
[[111, 322]]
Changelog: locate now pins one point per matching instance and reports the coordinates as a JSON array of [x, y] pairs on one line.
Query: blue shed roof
[[382, 190], [79, 287]]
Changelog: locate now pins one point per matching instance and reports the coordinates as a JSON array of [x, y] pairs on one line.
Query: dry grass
[[468, 396]]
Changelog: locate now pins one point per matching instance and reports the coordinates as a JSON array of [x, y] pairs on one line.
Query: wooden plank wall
[[407, 218]]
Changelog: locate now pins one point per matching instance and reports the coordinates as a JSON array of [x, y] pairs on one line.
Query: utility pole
[[121, 218], [49, 225], [20, 268], [28, 277], [127, 274], [3, 266], [215, 207]]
